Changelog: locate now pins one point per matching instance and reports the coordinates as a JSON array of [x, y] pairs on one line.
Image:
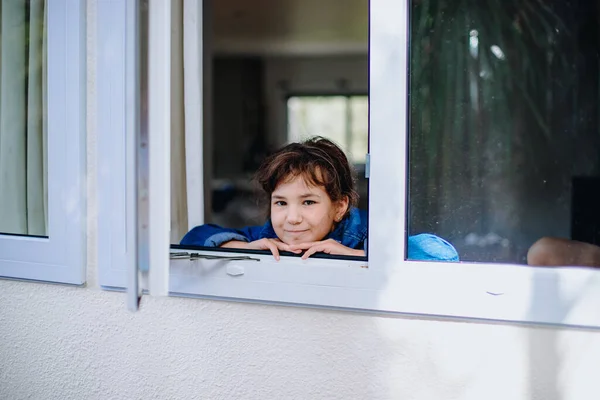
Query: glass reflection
[[23, 125], [504, 127]]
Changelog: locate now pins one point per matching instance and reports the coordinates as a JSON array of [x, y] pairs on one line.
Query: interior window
[[23, 122], [261, 59], [504, 131], [344, 119]]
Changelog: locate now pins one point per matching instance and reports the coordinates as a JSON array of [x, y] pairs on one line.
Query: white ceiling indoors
[[290, 26]]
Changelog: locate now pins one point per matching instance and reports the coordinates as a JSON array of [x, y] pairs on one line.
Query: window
[[343, 119], [499, 146], [387, 282], [23, 123], [42, 168]]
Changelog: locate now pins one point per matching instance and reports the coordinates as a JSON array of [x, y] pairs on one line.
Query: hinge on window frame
[[367, 165]]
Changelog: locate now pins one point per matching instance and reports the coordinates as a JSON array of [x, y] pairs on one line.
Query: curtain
[[23, 124], [179, 211]]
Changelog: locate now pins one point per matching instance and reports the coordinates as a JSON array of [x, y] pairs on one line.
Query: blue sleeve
[[213, 235], [428, 247]]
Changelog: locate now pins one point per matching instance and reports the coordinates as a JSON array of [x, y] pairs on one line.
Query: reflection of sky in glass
[[474, 42], [498, 52]]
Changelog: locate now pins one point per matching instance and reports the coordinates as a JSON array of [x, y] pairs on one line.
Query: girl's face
[[301, 213]]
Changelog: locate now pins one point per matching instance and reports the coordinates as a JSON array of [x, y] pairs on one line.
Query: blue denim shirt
[[351, 232]]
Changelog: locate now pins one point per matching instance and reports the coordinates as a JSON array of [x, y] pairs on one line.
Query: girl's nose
[[294, 216]]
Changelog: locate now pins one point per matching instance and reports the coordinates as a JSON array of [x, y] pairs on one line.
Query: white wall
[[81, 343], [62, 342]]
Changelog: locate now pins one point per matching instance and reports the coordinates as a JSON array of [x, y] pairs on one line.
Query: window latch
[[197, 256]]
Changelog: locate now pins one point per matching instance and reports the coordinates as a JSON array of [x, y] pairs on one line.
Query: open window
[[261, 69], [221, 89], [42, 163], [420, 125], [258, 70]]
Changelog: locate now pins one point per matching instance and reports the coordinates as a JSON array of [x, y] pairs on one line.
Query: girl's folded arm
[[211, 235]]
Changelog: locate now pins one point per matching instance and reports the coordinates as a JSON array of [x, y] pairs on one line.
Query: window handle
[[198, 256]]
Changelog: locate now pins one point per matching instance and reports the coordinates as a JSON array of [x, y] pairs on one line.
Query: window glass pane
[[23, 128], [504, 133]]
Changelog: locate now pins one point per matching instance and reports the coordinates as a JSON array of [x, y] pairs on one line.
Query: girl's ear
[[342, 208]]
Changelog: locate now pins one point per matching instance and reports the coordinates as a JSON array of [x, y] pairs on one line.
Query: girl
[[310, 186]]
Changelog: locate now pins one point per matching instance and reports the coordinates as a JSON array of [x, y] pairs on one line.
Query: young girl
[[310, 186]]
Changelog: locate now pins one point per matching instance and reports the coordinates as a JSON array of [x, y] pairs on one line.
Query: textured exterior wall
[[81, 343], [59, 342]]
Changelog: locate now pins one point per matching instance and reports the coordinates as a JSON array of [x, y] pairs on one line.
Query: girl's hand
[[328, 246], [274, 245]]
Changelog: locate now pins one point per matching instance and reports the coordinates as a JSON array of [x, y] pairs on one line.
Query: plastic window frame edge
[[115, 142], [460, 291], [61, 256]]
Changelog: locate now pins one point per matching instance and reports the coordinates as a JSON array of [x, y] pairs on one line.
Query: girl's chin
[[299, 240], [296, 239]]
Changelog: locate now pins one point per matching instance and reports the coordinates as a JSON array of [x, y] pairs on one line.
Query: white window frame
[[116, 111], [390, 284], [61, 256]]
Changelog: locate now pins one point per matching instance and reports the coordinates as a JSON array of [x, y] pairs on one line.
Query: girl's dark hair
[[318, 160]]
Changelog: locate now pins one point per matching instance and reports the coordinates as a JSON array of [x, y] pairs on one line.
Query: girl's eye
[[309, 202], [280, 203]]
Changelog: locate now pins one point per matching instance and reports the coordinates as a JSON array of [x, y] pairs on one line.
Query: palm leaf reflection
[[504, 112]]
